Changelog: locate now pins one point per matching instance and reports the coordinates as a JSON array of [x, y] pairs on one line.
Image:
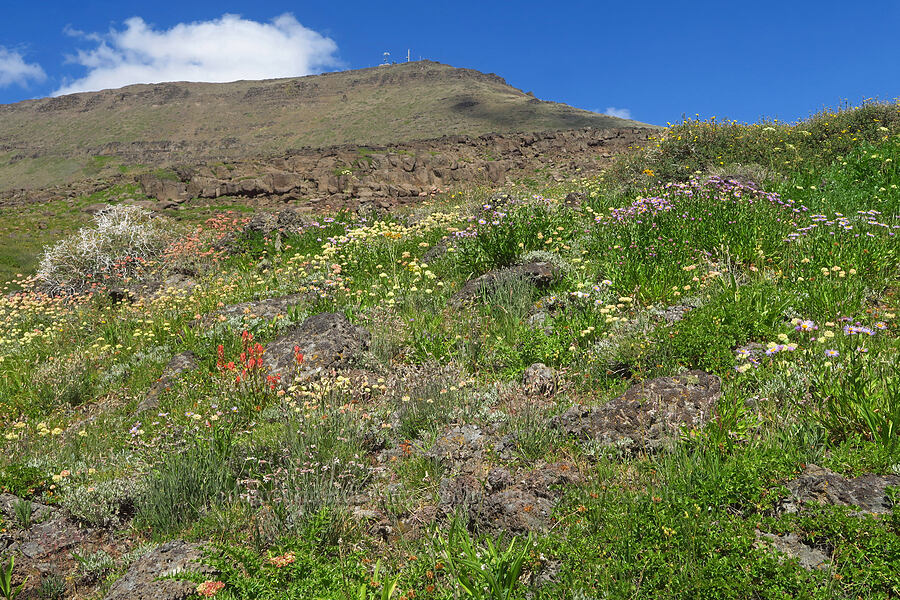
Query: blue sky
[[657, 60]]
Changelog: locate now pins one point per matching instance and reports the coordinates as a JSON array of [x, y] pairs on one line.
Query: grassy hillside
[[764, 255], [53, 140]]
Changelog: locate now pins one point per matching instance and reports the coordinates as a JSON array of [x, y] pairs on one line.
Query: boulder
[[822, 486], [502, 503], [648, 416], [793, 547], [143, 580], [540, 273], [96, 208], [170, 190], [327, 341], [539, 379]]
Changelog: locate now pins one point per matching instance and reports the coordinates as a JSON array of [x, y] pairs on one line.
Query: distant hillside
[[55, 140]]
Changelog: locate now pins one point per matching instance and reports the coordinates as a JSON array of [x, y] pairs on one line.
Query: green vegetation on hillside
[[765, 255]]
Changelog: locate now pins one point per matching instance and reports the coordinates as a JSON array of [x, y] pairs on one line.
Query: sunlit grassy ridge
[[51, 141], [778, 241]]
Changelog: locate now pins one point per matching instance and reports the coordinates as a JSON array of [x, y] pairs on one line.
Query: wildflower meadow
[[423, 463]]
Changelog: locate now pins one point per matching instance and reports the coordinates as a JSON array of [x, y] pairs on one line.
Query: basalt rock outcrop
[[48, 544], [145, 579], [354, 177], [267, 309], [178, 365], [648, 416]]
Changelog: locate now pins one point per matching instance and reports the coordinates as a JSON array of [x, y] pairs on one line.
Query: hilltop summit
[[53, 140]]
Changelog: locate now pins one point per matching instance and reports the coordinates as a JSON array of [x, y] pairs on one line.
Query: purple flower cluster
[[857, 329], [841, 222], [713, 188]]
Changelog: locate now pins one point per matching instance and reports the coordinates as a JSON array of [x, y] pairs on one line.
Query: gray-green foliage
[[117, 245], [103, 503]]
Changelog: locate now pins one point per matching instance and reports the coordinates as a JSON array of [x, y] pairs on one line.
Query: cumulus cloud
[[224, 49], [14, 69], [622, 113]]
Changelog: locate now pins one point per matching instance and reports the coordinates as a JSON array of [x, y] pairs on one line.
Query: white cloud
[[14, 69], [622, 113], [225, 49]]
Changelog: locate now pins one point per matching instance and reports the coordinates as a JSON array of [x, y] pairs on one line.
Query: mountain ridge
[[54, 140]]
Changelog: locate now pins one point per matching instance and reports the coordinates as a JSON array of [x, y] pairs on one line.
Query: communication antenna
[[387, 58], [407, 55]]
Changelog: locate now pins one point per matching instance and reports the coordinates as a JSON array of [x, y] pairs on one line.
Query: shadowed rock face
[[648, 416], [142, 580], [541, 274], [327, 341], [821, 486]]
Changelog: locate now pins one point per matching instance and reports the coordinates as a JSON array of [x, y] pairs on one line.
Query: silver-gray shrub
[[102, 504], [116, 246]]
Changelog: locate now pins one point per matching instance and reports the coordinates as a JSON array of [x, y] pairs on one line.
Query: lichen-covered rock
[[8, 502], [539, 379], [793, 547], [287, 220], [179, 364], [822, 486], [501, 502], [268, 309], [49, 534], [461, 448], [648, 416], [540, 274], [327, 341], [143, 580]]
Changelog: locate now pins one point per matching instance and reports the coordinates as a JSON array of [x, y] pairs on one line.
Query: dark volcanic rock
[[649, 415], [815, 484], [142, 580], [180, 363], [327, 341], [50, 532], [541, 274], [46, 547], [502, 503], [539, 379]]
